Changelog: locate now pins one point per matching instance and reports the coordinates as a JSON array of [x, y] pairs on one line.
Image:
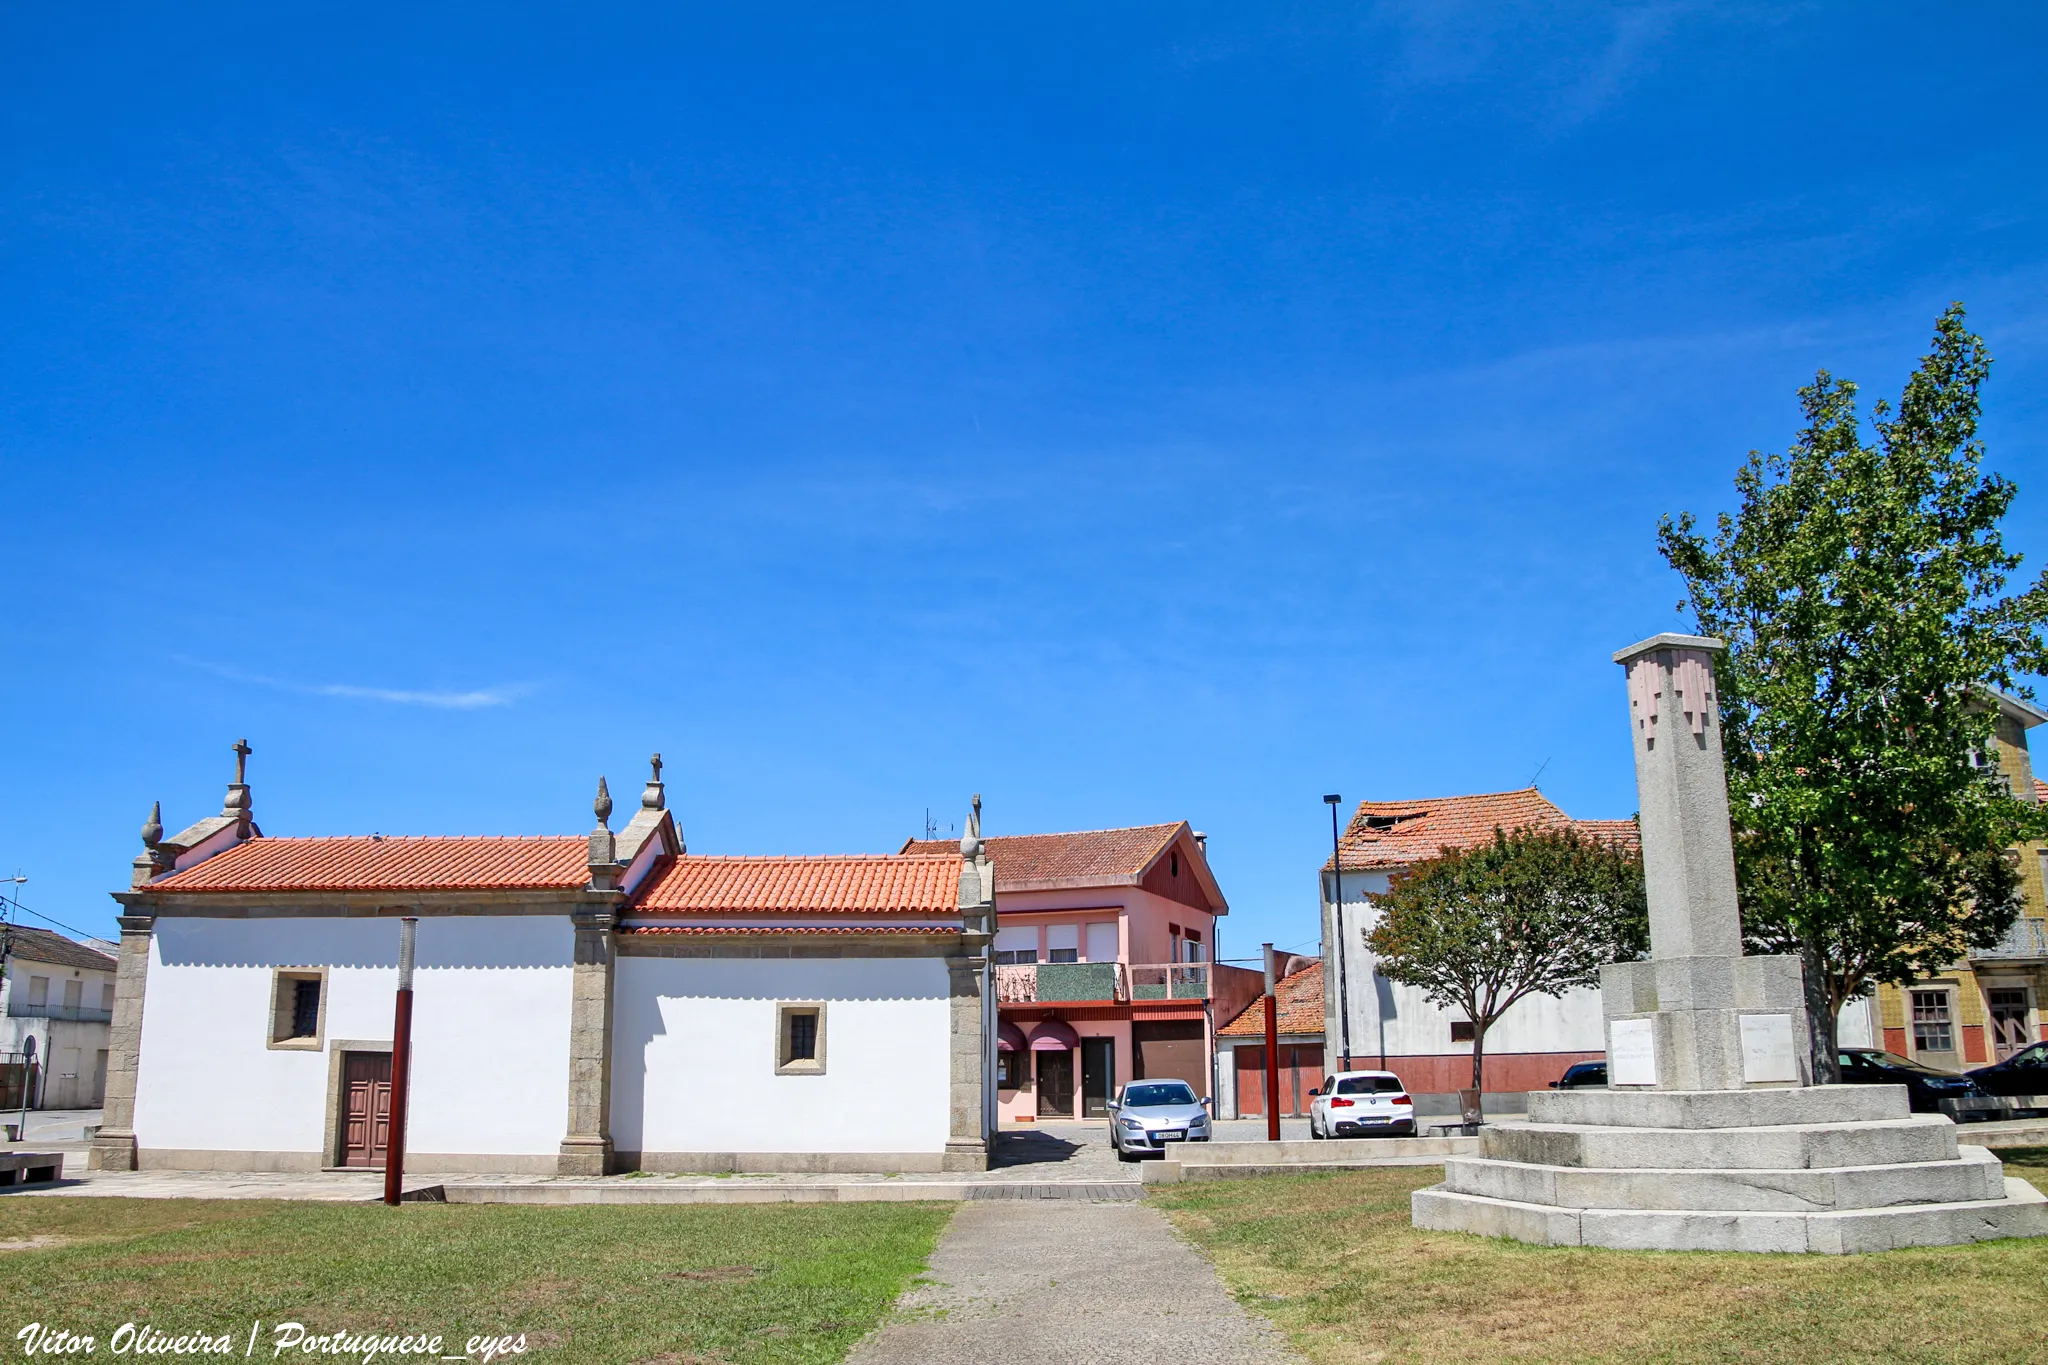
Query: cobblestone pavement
[[1069, 1284]]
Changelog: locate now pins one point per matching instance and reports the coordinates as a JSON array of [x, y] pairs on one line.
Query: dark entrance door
[[1098, 1076], [366, 1107], [1056, 1084]]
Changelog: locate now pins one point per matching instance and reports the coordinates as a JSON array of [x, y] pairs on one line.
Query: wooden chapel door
[[366, 1108]]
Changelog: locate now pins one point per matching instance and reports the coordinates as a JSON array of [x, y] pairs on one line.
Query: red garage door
[[1301, 1070]]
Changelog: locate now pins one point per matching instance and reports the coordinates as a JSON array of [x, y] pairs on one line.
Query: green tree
[[1860, 589], [1535, 912]]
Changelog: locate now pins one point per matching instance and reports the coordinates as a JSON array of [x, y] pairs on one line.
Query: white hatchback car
[[1361, 1104]]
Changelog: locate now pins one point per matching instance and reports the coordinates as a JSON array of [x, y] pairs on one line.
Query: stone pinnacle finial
[[153, 827], [970, 839], [237, 803], [652, 797], [603, 805]]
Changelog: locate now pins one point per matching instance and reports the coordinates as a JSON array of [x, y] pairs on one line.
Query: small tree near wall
[[1535, 912]]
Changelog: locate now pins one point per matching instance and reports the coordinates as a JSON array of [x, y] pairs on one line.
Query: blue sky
[[1129, 413]]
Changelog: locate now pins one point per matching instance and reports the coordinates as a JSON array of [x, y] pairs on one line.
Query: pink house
[[1105, 948]]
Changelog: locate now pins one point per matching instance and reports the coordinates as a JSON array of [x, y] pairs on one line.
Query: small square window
[[800, 1039], [1006, 1070], [1462, 1031], [298, 1009]]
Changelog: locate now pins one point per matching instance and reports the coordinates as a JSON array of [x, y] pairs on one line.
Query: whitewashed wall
[[491, 1002], [1854, 1026], [1417, 1028], [693, 1056]]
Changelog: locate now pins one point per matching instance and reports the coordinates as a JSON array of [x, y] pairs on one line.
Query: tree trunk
[[1479, 1062], [1820, 1013]]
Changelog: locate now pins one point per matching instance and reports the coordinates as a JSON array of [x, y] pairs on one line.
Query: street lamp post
[[1333, 800]]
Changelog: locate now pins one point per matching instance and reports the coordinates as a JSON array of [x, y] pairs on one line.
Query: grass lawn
[[676, 1285], [1332, 1260]]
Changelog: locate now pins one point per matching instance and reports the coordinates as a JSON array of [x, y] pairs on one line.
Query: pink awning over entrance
[[1010, 1038], [1054, 1035]]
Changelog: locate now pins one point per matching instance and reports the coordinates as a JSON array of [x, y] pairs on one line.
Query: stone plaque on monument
[[1631, 1052], [1767, 1053]]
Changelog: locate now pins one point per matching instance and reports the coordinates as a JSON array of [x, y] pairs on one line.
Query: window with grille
[[1933, 1028], [800, 1039], [296, 1016]]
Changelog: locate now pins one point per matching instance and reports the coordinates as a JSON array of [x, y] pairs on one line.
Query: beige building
[[1986, 1008]]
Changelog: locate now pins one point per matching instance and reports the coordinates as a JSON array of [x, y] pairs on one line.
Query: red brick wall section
[[1895, 1041], [1973, 1044], [1505, 1072]]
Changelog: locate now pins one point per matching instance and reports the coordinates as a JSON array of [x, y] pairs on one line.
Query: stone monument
[[1710, 1135]]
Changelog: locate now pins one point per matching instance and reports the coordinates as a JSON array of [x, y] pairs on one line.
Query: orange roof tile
[[1388, 834], [1027, 862], [389, 863], [1299, 1005], [1624, 834], [676, 930], [2040, 791], [875, 884]]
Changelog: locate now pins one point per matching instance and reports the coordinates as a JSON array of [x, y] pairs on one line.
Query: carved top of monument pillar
[[1688, 858], [1670, 639]]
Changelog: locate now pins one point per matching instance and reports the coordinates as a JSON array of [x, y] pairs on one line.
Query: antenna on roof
[[1539, 772]]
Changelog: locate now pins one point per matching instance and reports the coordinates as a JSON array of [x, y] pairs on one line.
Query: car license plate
[[1170, 1135]]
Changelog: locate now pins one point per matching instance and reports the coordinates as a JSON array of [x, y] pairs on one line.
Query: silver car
[[1150, 1116]]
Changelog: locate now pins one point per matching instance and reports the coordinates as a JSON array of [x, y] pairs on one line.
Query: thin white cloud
[[471, 699]]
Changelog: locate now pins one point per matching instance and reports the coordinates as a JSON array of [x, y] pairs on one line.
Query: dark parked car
[[1580, 1075], [1931, 1091], [2020, 1076]]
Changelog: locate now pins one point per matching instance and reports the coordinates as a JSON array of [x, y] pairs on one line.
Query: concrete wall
[[490, 1034], [70, 1053], [694, 1052], [1416, 1028]]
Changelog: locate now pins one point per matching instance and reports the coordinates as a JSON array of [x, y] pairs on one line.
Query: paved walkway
[[1069, 1284]]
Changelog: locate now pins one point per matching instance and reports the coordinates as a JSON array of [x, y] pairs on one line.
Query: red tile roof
[[872, 884], [2040, 792], [40, 945], [1299, 1001], [1390, 834], [679, 930], [390, 863], [1092, 857]]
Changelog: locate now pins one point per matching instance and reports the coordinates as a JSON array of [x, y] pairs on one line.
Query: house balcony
[[22, 1009], [1078, 983], [2026, 941]]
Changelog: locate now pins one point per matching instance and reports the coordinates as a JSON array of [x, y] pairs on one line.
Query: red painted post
[[401, 1065], [1272, 1054]]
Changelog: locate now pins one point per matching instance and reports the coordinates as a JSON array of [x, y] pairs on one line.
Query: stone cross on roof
[[242, 752]]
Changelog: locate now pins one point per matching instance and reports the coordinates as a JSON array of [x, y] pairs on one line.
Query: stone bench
[[29, 1168]]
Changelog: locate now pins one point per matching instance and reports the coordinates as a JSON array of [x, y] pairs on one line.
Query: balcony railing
[[1105, 982], [22, 1009], [1171, 981], [2027, 939]]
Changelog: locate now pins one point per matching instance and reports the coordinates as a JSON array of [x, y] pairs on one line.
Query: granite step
[[2021, 1212], [1886, 1142], [1975, 1174]]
